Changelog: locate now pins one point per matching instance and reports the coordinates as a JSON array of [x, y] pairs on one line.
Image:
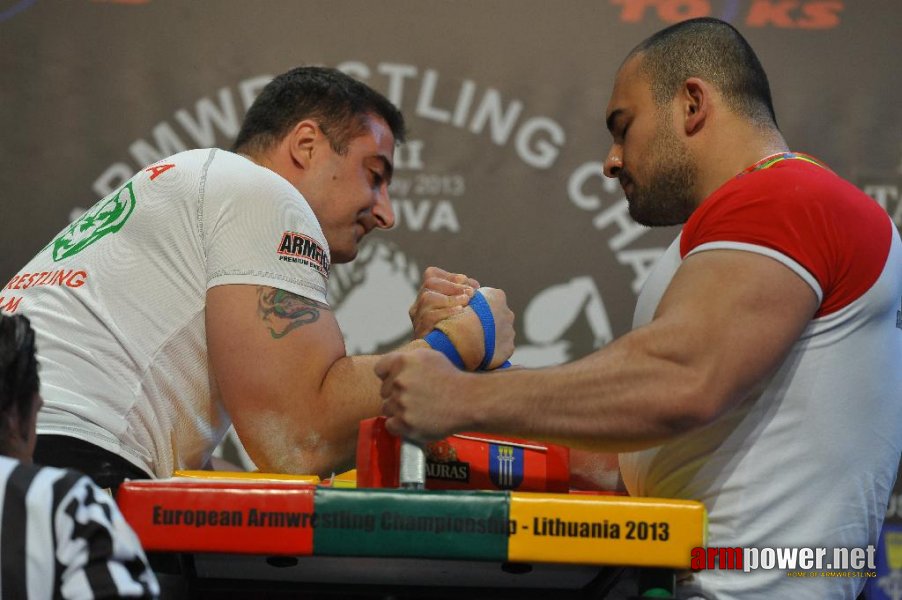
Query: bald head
[[713, 51]]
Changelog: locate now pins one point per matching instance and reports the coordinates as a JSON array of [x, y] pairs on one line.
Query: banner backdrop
[[501, 178], [505, 100]]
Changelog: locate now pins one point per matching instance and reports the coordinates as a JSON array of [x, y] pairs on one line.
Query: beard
[[667, 198]]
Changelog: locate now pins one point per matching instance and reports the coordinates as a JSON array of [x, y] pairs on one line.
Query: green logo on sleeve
[[107, 216]]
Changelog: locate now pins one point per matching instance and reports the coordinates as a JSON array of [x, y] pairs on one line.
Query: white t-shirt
[[810, 460], [117, 301]]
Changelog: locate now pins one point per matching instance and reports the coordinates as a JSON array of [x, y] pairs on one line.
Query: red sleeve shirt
[[834, 231]]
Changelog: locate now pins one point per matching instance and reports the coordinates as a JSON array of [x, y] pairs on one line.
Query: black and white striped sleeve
[[63, 537]]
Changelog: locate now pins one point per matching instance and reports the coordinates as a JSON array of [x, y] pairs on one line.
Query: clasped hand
[[421, 388]]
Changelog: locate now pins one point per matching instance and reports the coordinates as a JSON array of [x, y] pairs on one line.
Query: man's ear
[[301, 141], [696, 97]]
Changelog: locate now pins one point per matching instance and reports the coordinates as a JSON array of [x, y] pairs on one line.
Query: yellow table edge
[[605, 530], [248, 476]]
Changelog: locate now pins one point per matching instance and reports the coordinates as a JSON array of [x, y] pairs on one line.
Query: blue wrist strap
[[437, 340], [484, 312], [481, 307]]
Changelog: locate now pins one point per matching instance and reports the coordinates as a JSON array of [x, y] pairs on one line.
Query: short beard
[[667, 198]]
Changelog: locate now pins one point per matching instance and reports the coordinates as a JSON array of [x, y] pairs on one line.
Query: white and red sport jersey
[[810, 460], [117, 301]]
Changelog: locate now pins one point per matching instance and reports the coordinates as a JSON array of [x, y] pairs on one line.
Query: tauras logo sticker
[[442, 463], [458, 471], [297, 247]]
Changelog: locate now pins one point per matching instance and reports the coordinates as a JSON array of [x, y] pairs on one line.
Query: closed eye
[[618, 123]]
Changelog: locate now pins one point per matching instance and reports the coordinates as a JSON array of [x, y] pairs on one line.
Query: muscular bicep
[[270, 351], [731, 317]]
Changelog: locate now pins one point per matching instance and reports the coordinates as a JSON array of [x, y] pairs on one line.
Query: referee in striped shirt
[[60, 535]]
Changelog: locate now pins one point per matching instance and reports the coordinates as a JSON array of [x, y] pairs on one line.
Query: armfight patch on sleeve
[[299, 248]]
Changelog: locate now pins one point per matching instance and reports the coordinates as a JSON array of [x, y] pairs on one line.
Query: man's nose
[[613, 162], [382, 209]]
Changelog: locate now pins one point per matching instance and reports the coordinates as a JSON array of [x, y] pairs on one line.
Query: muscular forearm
[[350, 393], [303, 415], [323, 440], [715, 338], [625, 397]]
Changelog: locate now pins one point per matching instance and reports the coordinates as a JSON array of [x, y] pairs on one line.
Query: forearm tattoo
[[283, 311]]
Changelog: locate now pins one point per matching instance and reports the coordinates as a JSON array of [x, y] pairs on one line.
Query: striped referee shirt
[[63, 537]]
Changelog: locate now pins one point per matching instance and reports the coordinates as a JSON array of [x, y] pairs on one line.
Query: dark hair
[[712, 50], [337, 102], [18, 375]]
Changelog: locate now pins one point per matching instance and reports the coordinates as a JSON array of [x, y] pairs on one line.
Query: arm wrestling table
[[252, 535]]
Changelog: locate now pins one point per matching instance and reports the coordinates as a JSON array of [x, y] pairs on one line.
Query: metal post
[[412, 472]]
